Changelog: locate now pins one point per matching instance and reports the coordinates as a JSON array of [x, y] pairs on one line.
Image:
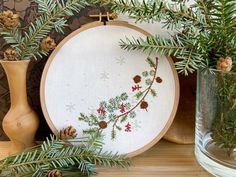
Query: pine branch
[[155, 11], [46, 6], [108, 159], [12, 37], [205, 29], [206, 8], [154, 44], [58, 154], [45, 23]]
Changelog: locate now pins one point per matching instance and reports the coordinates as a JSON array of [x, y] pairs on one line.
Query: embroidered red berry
[[136, 87], [101, 111], [128, 127], [158, 80], [122, 108], [137, 79], [102, 124], [144, 105]]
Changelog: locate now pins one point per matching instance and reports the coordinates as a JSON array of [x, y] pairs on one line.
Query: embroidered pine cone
[[48, 44], [102, 124], [144, 105], [225, 64], [68, 133], [10, 55], [137, 79], [9, 20], [158, 80], [54, 173]]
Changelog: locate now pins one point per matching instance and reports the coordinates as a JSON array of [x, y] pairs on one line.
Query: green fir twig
[[75, 160]]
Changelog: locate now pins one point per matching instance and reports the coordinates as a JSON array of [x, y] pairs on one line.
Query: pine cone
[[158, 80], [225, 64], [114, 15], [9, 20], [144, 105], [102, 124], [48, 44], [54, 173], [137, 79], [68, 133], [10, 55]]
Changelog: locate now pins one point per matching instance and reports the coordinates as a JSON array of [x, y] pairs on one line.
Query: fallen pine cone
[[54, 173], [68, 133]]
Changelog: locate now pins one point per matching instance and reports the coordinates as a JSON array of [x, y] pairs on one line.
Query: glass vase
[[215, 134]]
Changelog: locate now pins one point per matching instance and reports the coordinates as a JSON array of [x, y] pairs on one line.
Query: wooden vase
[[21, 122]]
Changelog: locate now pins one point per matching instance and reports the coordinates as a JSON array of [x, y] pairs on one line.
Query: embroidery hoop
[[43, 98]]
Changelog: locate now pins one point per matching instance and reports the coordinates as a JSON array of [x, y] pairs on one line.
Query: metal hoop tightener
[[105, 17]]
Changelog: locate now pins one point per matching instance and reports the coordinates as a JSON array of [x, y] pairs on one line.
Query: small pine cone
[[68, 133], [158, 80], [48, 44], [144, 105], [114, 15], [54, 173], [10, 55], [102, 124], [137, 79], [225, 64], [9, 20]]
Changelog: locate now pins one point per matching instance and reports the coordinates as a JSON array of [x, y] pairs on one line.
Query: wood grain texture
[[165, 159], [21, 122]]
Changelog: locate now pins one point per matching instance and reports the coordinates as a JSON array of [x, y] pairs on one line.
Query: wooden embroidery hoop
[[93, 25]]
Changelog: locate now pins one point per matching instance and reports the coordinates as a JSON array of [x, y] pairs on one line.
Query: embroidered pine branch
[[118, 110]]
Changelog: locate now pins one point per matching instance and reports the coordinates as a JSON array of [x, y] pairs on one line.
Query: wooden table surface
[[165, 159]]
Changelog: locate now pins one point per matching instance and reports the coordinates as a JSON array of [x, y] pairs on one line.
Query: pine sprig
[[53, 19], [204, 32], [58, 154], [13, 37], [53, 16], [172, 14], [154, 44]]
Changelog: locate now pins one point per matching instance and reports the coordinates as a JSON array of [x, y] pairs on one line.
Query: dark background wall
[[28, 11]]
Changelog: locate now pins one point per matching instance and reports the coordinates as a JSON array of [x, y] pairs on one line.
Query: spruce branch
[[12, 37], [58, 154], [45, 23], [154, 44], [204, 32], [172, 14], [53, 16]]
